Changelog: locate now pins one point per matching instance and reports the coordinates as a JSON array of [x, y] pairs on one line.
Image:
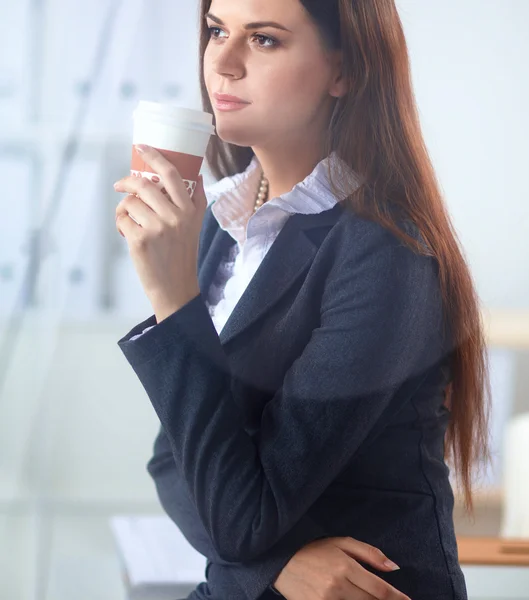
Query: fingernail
[[141, 148], [391, 565]]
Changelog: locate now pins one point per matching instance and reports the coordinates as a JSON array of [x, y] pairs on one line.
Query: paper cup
[[180, 134]]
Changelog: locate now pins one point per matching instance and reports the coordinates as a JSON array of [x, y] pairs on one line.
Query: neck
[[284, 167]]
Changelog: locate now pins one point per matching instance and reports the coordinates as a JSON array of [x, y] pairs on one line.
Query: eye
[[264, 40], [273, 44], [212, 29]]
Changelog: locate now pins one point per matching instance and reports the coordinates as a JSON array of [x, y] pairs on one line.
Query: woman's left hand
[[163, 243]]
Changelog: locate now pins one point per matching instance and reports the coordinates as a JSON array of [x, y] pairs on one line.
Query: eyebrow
[[251, 25]]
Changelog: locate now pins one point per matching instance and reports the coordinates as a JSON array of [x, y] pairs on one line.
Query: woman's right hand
[[327, 569]]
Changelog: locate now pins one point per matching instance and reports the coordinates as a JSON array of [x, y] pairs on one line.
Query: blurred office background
[[76, 428]]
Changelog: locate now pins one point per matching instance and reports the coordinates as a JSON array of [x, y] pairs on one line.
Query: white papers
[[159, 562]]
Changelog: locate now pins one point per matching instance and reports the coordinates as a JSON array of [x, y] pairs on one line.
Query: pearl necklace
[[262, 194]]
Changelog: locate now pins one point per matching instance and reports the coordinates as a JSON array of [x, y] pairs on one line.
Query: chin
[[234, 135]]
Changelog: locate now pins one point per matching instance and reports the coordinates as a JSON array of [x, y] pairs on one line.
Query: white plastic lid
[[178, 115]]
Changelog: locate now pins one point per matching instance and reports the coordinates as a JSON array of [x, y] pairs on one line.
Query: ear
[[338, 86]]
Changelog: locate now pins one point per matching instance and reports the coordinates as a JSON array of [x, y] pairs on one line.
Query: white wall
[[470, 61]]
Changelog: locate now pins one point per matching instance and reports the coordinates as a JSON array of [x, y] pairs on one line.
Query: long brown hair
[[375, 130]]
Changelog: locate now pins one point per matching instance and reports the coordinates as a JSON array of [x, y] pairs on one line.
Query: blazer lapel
[[289, 257], [218, 247]]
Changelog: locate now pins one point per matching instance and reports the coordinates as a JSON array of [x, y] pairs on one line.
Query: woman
[[311, 313]]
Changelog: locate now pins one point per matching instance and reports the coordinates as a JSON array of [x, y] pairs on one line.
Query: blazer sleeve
[[254, 576], [380, 323]]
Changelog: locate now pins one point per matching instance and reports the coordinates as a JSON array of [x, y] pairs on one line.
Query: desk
[[495, 569]]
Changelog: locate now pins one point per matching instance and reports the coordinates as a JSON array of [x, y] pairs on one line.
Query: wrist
[[164, 306]]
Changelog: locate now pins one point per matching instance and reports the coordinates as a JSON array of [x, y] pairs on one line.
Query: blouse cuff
[[135, 337]]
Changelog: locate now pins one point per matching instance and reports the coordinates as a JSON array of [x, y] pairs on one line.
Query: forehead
[[287, 12]]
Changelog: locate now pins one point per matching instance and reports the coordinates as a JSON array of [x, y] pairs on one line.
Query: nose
[[229, 61]]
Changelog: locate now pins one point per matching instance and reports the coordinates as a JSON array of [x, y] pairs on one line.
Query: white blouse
[[254, 233]]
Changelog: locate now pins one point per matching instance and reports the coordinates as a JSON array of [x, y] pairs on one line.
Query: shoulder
[[357, 239], [372, 276], [365, 260]]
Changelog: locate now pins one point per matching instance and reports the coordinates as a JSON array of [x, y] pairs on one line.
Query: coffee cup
[[181, 134]]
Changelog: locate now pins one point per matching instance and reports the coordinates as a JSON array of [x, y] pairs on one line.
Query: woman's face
[[288, 78]]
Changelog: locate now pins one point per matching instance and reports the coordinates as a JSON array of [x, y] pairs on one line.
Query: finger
[[355, 593], [127, 227], [138, 211], [374, 586], [172, 179], [118, 228], [366, 553], [150, 194]]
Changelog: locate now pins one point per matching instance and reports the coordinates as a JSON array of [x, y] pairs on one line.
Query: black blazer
[[317, 412]]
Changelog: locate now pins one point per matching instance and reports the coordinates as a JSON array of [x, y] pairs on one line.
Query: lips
[[229, 98]]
